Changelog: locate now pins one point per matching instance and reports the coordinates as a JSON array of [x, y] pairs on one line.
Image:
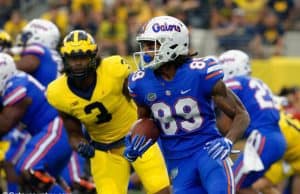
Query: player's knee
[[38, 181]]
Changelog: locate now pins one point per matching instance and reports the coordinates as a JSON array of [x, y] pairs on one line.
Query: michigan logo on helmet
[[5, 40], [78, 43]]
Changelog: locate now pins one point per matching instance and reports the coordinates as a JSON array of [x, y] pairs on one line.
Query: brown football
[[147, 127]]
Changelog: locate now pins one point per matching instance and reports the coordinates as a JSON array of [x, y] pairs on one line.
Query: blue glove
[[219, 148], [136, 147], [86, 150]]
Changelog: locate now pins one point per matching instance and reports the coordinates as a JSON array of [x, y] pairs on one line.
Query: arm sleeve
[[117, 66], [134, 92], [213, 72], [13, 94]]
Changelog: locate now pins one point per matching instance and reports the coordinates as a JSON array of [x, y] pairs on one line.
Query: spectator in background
[[7, 6], [132, 21], [112, 35], [283, 9], [15, 24], [86, 15], [253, 9], [198, 13], [268, 40], [59, 15], [222, 12], [236, 34]]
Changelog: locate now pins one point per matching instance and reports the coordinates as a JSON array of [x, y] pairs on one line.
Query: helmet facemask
[[80, 75]]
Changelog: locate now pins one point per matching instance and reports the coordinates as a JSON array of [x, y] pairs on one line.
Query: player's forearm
[[238, 126]]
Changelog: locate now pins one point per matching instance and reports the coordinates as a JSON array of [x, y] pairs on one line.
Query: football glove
[[136, 147], [219, 148], [86, 150]]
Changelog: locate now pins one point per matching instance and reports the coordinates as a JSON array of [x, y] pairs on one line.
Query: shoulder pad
[[116, 66]]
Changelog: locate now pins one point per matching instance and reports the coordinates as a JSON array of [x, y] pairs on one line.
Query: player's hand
[[219, 148], [136, 147], [86, 150]]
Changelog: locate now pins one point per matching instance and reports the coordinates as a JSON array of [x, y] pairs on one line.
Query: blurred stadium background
[[268, 30]]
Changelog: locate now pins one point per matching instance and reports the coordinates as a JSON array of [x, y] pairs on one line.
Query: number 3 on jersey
[[104, 115], [186, 108]]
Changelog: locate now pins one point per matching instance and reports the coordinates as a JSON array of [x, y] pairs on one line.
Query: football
[[147, 127]]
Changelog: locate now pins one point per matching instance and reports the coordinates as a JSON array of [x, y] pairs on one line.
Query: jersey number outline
[[104, 115], [261, 92], [186, 108]]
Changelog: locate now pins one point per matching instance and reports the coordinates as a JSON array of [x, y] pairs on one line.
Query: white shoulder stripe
[[233, 84], [214, 68], [34, 48], [15, 95]]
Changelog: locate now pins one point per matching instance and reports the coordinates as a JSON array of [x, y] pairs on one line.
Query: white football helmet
[[42, 32], [170, 33], [235, 63], [7, 69]]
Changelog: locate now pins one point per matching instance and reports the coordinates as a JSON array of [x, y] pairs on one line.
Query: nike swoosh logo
[[185, 91]]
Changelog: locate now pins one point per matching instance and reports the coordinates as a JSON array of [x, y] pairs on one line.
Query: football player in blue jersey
[[47, 153], [179, 92], [263, 133], [38, 57]]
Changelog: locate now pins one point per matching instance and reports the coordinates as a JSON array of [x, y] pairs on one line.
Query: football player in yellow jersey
[[290, 163], [93, 92]]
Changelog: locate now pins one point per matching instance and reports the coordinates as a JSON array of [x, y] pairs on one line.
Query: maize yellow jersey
[[290, 162], [291, 130], [108, 114]]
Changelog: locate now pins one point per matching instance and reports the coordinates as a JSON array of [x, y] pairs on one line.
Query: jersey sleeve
[[133, 87], [235, 85], [34, 49], [117, 66], [213, 72], [13, 93]]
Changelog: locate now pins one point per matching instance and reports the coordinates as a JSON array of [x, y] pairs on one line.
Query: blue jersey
[[182, 107], [21, 86], [257, 99], [47, 70]]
